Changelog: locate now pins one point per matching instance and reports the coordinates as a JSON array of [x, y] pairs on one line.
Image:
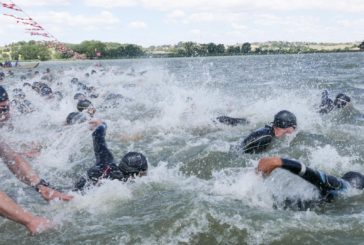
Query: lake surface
[[197, 190]]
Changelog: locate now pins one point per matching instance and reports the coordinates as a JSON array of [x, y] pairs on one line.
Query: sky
[[157, 22]]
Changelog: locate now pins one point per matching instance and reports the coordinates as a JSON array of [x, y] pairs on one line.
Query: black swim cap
[[45, 90], [74, 80], [58, 95], [3, 94], [79, 96], [341, 100], [133, 163], [83, 104], [76, 117], [285, 119], [18, 93], [355, 179]]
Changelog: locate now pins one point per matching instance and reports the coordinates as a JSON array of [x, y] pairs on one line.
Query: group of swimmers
[[135, 164]]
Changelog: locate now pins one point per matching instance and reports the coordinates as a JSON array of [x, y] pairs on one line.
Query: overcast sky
[[156, 22]]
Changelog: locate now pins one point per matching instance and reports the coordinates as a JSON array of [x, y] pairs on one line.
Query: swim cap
[[79, 96], [58, 95], [341, 100], [285, 119], [18, 93], [74, 80], [83, 104], [45, 90], [3, 94], [355, 179], [133, 163], [76, 117]]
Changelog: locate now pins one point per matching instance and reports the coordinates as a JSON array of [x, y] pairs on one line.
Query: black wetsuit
[[231, 121], [327, 104], [258, 141], [329, 186], [105, 166]]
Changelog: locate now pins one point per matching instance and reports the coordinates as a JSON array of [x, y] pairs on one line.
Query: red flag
[[11, 6]]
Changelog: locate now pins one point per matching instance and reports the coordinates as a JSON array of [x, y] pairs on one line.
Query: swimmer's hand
[[51, 194], [94, 123], [267, 164], [38, 225]]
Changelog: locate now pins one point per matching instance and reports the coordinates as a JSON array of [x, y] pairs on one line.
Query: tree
[[32, 51], [89, 48], [233, 50], [246, 48], [190, 48], [361, 46], [211, 48], [220, 49], [131, 50]]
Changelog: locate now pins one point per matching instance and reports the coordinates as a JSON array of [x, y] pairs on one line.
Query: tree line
[[111, 50]]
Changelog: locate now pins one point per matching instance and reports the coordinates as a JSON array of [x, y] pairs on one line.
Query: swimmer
[[284, 122], [22, 170], [85, 111], [327, 105], [20, 102], [4, 105], [86, 106], [132, 164], [330, 187], [79, 96]]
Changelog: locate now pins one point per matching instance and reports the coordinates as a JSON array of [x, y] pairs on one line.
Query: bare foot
[[38, 225]]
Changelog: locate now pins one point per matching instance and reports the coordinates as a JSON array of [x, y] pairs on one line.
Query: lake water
[[197, 191]]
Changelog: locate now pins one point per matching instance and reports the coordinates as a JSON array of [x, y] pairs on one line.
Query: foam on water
[[196, 190]]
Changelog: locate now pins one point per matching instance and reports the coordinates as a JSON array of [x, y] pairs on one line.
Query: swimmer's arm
[[23, 171], [268, 164], [102, 153], [18, 165]]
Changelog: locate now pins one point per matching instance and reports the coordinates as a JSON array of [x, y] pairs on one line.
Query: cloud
[[137, 25], [235, 5], [27, 3], [67, 19], [196, 31], [176, 14]]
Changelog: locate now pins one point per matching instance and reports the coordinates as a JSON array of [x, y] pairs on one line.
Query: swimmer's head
[[3, 94], [355, 179], [83, 104], [134, 163], [341, 100], [58, 95], [4, 105], [74, 80], [285, 122], [45, 91], [86, 105], [285, 119], [18, 93], [79, 96], [75, 117], [27, 85]]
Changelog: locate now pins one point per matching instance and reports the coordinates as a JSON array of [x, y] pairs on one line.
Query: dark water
[[197, 191]]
